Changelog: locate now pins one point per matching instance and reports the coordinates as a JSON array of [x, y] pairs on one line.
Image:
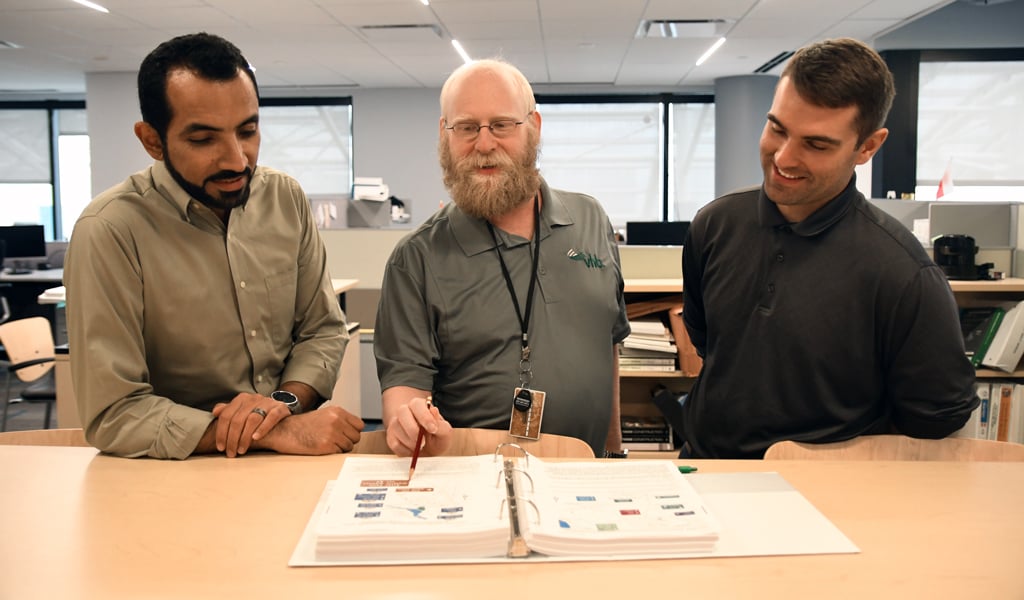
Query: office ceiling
[[334, 45]]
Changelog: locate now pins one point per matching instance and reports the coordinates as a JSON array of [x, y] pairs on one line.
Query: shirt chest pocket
[[280, 307]]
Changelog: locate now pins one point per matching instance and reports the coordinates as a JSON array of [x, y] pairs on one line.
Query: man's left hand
[[246, 418]]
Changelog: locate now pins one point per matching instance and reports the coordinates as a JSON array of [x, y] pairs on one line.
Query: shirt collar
[[818, 222], [472, 235]]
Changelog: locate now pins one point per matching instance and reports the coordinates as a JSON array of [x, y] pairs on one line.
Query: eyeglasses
[[468, 130]]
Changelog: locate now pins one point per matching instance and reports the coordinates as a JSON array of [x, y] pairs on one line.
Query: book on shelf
[[979, 325], [643, 433], [663, 346], [1000, 414], [648, 446], [1007, 346], [645, 367], [649, 327], [626, 352], [639, 359], [657, 358], [468, 507]]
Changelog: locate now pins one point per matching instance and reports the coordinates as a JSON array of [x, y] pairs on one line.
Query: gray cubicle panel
[[905, 211], [991, 224]]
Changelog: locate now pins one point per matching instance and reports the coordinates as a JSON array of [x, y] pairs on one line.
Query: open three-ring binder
[[508, 505]]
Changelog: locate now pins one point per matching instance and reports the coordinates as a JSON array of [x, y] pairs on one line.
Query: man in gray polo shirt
[[471, 331]]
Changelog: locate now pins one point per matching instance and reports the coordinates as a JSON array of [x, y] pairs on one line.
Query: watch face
[[289, 399]]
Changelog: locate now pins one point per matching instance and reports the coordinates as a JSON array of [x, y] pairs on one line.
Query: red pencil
[[419, 445]]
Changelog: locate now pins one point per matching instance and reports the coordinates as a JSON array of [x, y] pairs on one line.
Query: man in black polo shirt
[[819, 317]]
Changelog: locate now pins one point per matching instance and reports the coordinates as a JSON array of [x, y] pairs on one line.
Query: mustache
[[223, 175], [477, 161]]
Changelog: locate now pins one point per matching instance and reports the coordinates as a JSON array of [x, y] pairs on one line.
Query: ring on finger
[[260, 412]]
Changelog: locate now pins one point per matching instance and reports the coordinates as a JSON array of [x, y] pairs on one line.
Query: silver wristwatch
[[290, 400]]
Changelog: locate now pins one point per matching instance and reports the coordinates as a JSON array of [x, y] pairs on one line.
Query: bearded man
[[505, 308]]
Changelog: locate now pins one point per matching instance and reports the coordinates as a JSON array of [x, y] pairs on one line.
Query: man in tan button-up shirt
[[201, 316]]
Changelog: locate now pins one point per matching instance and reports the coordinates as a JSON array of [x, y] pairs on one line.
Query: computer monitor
[[22, 241], [656, 233]]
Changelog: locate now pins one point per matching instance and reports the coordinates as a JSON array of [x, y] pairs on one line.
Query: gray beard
[[493, 196]]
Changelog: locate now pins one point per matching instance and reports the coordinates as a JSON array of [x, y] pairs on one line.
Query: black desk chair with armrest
[[29, 346]]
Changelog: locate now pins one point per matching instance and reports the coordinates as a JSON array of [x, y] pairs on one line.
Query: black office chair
[[29, 346]]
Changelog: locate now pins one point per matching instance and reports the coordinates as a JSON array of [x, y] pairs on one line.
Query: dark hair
[[844, 72], [207, 55]]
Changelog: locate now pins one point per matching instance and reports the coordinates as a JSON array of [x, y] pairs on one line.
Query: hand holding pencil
[[413, 422], [419, 443]]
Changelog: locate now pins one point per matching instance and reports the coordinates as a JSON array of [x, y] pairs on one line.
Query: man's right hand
[[405, 421], [328, 430]]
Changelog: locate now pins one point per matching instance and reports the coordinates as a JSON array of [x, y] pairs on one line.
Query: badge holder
[[527, 413]]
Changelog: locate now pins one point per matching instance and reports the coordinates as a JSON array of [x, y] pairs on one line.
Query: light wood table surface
[[75, 524]]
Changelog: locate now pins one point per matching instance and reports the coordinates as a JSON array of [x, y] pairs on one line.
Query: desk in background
[[346, 391], [341, 286], [22, 293], [77, 524]]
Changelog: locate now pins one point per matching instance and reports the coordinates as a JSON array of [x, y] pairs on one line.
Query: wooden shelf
[[1010, 284], [655, 286], [648, 374], [994, 374]]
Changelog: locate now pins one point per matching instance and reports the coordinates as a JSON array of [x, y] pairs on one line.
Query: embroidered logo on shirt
[[586, 258]]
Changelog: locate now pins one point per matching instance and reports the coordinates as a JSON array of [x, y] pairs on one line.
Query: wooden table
[[76, 524]]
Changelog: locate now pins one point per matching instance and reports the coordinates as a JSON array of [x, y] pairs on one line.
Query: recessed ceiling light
[[458, 48], [91, 5], [710, 51]]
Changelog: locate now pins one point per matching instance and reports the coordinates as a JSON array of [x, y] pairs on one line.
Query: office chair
[[472, 441], [29, 346], [898, 447]]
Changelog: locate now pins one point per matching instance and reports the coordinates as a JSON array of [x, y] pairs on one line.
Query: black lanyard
[[524, 321]]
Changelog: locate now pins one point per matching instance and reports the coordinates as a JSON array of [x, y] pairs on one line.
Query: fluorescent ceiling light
[[91, 5], [710, 51], [462, 53], [425, 2]]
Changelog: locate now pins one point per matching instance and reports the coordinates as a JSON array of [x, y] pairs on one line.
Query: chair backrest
[[28, 339], [898, 447], [472, 441], [44, 437]]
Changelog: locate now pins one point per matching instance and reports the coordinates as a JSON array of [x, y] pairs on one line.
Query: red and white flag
[[946, 183]]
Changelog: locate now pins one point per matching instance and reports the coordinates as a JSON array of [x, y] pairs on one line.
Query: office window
[[970, 118], [312, 143], [692, 156], [612, 151], [74, 169], [26, 192]]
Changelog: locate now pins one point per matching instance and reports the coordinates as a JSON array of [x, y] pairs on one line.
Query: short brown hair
[[844, 72]]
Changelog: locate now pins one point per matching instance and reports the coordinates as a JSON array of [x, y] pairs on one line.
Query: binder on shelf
[[979, 325], [460, 508], [1007, 345]]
